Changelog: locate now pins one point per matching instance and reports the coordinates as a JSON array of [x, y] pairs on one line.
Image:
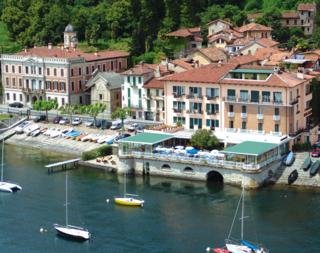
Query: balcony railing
[[212, 112], [276, 117], [230, 114], [246, 100], [178, 95], [244, 115], [211, 97], [294, 101], [177, 110], [260, 116]]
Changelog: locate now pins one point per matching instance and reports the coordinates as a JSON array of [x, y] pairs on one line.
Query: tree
[[204, 139], [121, 113], [45, 105], [69, 110], [94, 110]]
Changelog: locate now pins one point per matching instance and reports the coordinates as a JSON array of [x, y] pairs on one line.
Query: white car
[[76, 121], [88, 123], [132, 127], [64, 121]]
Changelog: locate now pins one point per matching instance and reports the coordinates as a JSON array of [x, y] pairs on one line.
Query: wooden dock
[[63, 165]]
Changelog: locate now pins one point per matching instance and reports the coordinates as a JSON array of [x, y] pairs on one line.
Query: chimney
[[96, 53], [25, 50], [50, 46]]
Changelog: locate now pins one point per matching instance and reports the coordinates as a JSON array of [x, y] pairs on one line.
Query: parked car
[[76, 122], [88, 123], [105, 124], [315, 153], [97, 123], [132, 127], [64, 121], [116, 125], [39, 118], [121, 136], [57, 119], [16, 104]]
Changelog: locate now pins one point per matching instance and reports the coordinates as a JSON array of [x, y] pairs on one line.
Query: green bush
[[301, 146], [101, 151]]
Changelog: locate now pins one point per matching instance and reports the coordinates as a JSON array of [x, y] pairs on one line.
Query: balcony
[[178, 95], [244, 115], [194, 96], [276, 117], [260, 116], [246, 100], [231, 98], [212, 97], [211, 112], [294, 101], [177, 110], [194, 111], [230, 114]]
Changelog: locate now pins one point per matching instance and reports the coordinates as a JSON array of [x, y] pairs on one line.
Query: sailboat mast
[[2, 159], [242, 210], [125, 183], [66, 198]]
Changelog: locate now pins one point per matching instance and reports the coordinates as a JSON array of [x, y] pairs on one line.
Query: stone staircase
[[304, 179]]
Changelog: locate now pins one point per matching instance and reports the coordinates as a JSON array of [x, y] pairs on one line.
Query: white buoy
[[41, 230], [208, 249], [107, 200]]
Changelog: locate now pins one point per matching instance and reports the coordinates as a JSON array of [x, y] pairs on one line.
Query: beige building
[[205, 56], [238, 99], [105, 88], [44, 73], [255, 31], [217, 26]]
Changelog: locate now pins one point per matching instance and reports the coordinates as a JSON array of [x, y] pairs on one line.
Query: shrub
[[301, 146], [101, 151]]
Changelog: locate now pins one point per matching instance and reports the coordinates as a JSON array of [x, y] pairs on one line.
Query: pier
[[63, 165]]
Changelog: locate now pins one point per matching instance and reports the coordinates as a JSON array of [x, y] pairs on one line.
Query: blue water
[[178, 216]]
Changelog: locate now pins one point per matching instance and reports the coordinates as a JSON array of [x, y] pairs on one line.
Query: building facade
[[55, 72]]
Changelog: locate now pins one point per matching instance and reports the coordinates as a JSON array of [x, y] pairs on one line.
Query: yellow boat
[[129, 200]]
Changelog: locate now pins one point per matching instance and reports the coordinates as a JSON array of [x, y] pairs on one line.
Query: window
[[27, 70], [7, 68], [8, 96], [40, 71], [295, 22], [128, 79], [48, 71], [244, 95], [134, 80], [55, 72], [244, 125], [276, 127], [80, 99], [7, 81], [61, 72], [80, 85], [254, 96], [27, 83], [19, 69], [139, 79], [287, 21], [244, 109], [140, 93], [231, 124], [260, 126], [277, 97], [266, 96], [13, 69], [62, 101], [104, 67], [20, 97], [13, 81], [99, 66], [111, 65], [100, 97], [276, 111], [230, 108], [87, 70], [120, 65], [14, 97], [72, 86], [79, 71], [92, 69], [231, 95], [71, 74], [129, 93], [20, 82]]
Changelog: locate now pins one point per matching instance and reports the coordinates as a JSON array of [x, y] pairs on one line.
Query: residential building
[[55, 72], [105, 88], [255, 31], [253, 45], [303, 18], [204, 56], [217, 26], [236, 99], [190, 37]]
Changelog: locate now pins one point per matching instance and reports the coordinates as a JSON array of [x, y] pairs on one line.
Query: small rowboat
[[306, 164], [292, 177], [314, 168]]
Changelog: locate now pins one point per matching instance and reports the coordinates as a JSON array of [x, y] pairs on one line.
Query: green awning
[[252, 71], [250, 148], [147, 138]]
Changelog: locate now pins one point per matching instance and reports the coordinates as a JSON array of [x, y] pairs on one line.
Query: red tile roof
[[243, 59], [70, 53], [139, 69], [265, 53], [290, 14], [184, 32], [214, 54], [211, 73], [242, 41], [253, 27], [307, 7], [282, 79], [265, 42], [183, 64], [154, 83]]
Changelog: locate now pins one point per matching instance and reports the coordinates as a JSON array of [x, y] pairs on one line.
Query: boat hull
[[314, 168], [306, 164], [9, 187], [125, 201], [72, 232], [292, 177]]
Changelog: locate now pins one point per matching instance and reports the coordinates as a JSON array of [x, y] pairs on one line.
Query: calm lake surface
[[178, 216]]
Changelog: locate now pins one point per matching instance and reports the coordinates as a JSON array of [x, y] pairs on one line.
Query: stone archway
[[188, 169], [166, 167], [214, 177]]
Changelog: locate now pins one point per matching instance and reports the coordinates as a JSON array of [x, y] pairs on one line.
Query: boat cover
[[251, 246]]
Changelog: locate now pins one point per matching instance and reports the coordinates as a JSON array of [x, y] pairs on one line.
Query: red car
[[315, 153]]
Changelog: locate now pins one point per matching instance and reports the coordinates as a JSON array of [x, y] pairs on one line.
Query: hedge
[[101, 151]]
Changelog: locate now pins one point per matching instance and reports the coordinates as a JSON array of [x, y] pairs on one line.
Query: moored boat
[[306, 164], [314, 168], [289, 159], [292, 177], [129, 200]]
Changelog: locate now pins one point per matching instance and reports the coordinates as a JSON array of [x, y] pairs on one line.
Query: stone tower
[[70, 37]]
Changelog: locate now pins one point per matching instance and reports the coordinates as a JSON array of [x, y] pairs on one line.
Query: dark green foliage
[[204, 139], [315, 102], [301, 147], [101, 151]]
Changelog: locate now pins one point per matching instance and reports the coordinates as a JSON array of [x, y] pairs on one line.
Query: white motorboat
[[55, 133], [35, 133], [29, 129], [19, 129], [102, 138], [69, 231], [87, 137], [7, 186]]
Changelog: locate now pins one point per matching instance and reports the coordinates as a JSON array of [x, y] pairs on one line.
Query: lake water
[[178, 216]]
